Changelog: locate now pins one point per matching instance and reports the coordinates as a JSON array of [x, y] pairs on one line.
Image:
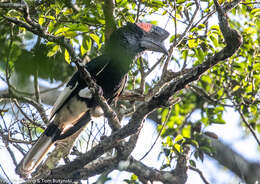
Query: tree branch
[[246, 170], [108, 9], [200, 173], [249, 126], [11, 5]]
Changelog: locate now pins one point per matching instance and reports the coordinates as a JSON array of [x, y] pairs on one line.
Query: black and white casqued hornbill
[[75, 106]]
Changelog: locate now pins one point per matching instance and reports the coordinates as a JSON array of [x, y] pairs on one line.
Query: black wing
[[76, 86]]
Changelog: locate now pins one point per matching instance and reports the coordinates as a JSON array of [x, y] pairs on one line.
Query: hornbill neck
[[123, 46], [122, 60]]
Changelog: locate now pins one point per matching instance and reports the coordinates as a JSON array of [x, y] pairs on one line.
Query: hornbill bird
[[75, 106]]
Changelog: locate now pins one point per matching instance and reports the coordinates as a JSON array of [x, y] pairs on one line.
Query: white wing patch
[[85, 93], [102, 69], [61, 99]]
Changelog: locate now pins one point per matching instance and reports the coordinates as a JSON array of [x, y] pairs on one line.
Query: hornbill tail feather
[[38, 150], [44, 143]]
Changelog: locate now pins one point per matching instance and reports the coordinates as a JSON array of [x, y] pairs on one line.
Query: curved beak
[[153, 40]]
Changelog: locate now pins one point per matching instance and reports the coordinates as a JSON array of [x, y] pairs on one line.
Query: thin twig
[[5, 174], [19, 148], [155, 65], [200, 173], [52, 89], [249, 126], [202, 93], [159, 134], [25, 115], [138, 11], [37, 106], [11, 153], [143, 76]]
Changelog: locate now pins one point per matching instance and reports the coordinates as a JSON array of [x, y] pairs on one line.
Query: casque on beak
[[153, 37]]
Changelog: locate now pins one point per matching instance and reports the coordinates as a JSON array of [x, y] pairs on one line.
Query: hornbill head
[[153, 37], [134, 38]]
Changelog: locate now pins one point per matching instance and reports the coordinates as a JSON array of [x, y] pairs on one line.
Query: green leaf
[[192, 43], [95, 38], [255, 11], [201, 156], [41, 20], [236, 88], [54, 50], [169, 141], [51, 27], [130, 19], [177, 147], [50, 17], [61, 30], [134, 177], [70, 34], [178, 138], [206, 78], [215, 27], [68, 11], [220, 92], [258, 24], [192, 163], [218, 120], [185, 54], [205, 120], [258, 127], [83, 50], [67, 56], [13, 13], [186, 131], [164, 115], [201, 26], [219, 109], [180, 1], [211, 134], [200, 54], [78, 27], [214, 38], [206, 149], [250, 30]]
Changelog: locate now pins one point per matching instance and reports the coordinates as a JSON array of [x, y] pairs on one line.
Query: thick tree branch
[[146, 173], [246, 170], [11, 5], [108, 9]]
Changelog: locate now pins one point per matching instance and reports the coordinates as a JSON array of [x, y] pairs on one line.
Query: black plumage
[[75, 106]]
